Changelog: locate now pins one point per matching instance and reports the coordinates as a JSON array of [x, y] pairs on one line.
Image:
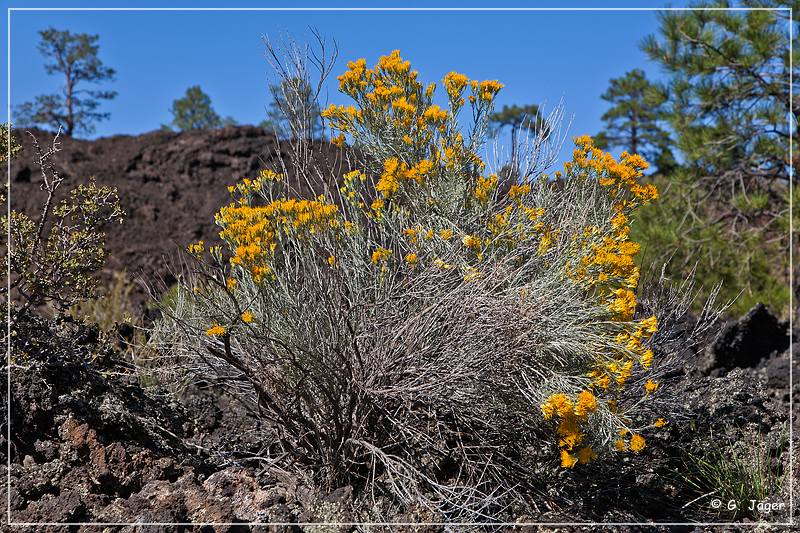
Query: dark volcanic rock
[[744, 343], [88, 444]]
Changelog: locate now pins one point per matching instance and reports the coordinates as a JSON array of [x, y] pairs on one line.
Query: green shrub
[[748, 260], [53, 258], [9, 144], [416, 315]]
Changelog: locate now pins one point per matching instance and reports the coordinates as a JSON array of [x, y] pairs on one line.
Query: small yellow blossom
[[649, 325], [650, 386], [586, 404], [647, 359], [471, 241], [637, 443], [438, 263], [215, 331], [567, 459], [557, 404], [380, 254], [247, 317], [435, 114], [196, 248], [377, 205], [586, 454]]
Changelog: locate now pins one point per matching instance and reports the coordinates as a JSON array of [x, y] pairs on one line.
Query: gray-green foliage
[[76, 108]]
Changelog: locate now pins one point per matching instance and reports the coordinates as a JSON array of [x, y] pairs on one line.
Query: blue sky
[[541, 56]]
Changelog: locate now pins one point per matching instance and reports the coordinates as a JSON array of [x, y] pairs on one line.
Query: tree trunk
[[70, 120]]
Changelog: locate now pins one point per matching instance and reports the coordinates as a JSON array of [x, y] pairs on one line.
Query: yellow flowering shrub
[[417, 282]]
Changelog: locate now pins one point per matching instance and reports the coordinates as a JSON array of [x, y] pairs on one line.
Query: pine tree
[[75, 109], [194, 112], [726, 217], [633, 122], [729, 89]]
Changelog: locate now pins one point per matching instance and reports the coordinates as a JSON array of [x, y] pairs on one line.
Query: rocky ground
[[89, 444]]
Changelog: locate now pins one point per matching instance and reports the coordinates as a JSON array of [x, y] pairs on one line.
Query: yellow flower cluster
[[571, 414], [611, 268], [454, 84], [608, 271], [484, 187], [396, 171], [488, 89], [637, 443], [215, 331], [380, 254], [390, 97], [518, 191], [253, 232], [471, 241], [196, 248], [435, 114], [249, 186]]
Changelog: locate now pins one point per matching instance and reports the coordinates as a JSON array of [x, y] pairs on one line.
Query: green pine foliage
[[725, 205], [634, 120], [195, 112], [76, 109], [729, 88], [676, 232]]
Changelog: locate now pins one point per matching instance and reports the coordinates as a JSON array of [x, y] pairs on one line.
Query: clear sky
[[541, 56]]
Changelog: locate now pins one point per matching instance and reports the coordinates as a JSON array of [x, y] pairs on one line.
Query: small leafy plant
[[53, 259]]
